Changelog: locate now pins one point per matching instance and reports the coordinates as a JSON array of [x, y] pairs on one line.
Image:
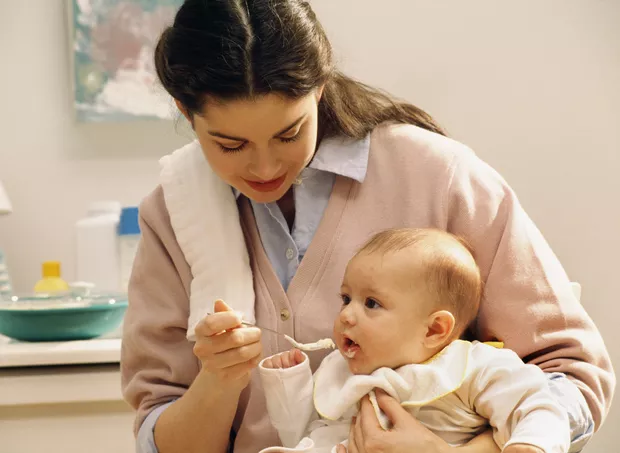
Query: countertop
[[22, 354]]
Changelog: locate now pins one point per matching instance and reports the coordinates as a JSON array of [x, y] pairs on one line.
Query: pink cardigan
[[415, 178]]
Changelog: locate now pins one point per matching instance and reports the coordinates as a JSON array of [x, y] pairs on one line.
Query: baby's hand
[[522, 448], [286, 359]]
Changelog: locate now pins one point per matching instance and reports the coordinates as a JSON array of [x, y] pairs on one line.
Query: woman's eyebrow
[[241, 139], [291, 126]]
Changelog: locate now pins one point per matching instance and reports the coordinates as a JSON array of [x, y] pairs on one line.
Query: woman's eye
[[372, 304], [345, 299], [290, 139], [227, 149]]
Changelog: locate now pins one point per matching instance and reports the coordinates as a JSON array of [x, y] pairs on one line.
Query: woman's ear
[[184, 111], [440, 326], [319, 93]]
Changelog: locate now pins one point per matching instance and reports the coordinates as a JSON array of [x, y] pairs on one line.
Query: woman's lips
[[266, 186]]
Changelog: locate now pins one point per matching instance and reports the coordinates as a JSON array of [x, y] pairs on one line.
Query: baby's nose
[[347, 315]]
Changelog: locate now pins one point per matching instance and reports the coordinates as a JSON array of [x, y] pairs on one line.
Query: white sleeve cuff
[[145, 441]]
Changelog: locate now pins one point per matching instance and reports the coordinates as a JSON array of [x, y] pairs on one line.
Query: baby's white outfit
[[456, 394]]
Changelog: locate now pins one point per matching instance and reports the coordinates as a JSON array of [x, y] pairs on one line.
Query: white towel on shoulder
[[205, 219]]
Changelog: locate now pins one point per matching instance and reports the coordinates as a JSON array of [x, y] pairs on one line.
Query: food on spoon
[[325, 343]]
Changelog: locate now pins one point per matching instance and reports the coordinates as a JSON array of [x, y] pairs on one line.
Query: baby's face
[[384, 314]]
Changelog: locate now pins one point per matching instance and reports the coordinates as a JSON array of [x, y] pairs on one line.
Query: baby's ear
[[440, 326]]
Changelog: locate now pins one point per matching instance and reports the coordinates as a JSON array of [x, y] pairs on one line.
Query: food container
[[62, 317]]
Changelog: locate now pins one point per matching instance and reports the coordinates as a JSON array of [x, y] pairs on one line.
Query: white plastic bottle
[[128, 239], [97, 246], [5, 281]]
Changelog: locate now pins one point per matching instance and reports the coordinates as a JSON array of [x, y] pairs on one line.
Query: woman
[[319, 162]]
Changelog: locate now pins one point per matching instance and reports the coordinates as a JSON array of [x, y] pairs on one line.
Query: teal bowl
[[61, 318]]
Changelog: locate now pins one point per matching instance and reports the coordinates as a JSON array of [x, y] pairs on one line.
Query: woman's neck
[[287, 206]]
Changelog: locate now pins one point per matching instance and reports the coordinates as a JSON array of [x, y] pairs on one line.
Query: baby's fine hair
[[451, 272]]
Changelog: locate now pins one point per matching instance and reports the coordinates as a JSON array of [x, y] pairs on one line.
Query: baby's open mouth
[[350, 347]]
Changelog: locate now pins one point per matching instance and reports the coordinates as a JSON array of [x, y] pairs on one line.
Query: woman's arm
[[516, 400], [482, 443], [568, 396], [158, 364], [200, 421], [407, 435], [528, 301]]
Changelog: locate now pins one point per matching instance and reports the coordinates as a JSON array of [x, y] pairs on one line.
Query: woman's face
[[259, 146]]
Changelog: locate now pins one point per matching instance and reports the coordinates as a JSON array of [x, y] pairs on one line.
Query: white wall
[[51, 166], [533, 86]]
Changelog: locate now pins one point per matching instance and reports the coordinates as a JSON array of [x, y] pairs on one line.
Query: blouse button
[[285, 314]]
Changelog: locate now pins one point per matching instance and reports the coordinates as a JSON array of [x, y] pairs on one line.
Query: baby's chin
[[361, 367], [357, 359]]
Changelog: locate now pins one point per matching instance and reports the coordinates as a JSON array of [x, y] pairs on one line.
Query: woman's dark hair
[[235, 49]]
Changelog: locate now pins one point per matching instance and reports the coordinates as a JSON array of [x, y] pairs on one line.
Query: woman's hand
[[286, 359], [522, 448], [227, 351], [407, 435]]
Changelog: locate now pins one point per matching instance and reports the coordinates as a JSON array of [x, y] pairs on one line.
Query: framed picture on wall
[[112, 58]]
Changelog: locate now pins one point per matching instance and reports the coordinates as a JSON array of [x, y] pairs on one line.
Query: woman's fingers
[[227, 351], [233, 356], [352, 447], [217, 322], [235, 339], [359, 433], [392, 408], [218, 347], [226, 341], [369, 423], [240, 370], [220, 306]]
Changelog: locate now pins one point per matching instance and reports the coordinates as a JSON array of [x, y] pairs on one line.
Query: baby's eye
[[372, 304], [345, 299]]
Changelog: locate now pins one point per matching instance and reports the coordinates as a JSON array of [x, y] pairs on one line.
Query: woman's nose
[[265, 165]]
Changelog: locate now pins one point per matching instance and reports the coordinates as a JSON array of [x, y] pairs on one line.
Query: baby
[[407, 297]]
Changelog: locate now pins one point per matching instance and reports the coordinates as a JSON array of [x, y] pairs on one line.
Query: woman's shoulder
[[153, 209], [158, 234], [409, 146], [418, 153], [432, 155], [410, 138]]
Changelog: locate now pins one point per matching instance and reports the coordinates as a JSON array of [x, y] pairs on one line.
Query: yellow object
[[495, 344], [51, 282]]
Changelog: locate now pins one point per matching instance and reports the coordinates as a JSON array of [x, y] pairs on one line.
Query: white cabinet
[[75, 408]]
